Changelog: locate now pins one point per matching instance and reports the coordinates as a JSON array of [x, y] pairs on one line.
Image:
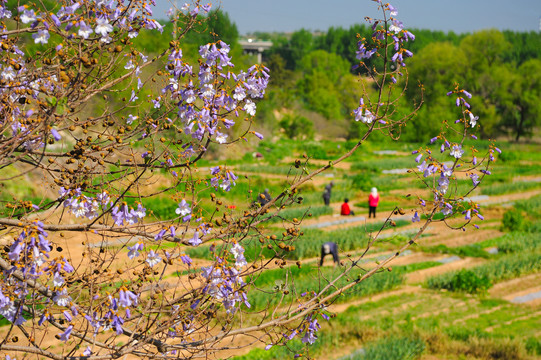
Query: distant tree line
[[314, 74], [502, 68]]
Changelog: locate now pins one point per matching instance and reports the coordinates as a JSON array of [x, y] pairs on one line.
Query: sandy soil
[[509, 290]]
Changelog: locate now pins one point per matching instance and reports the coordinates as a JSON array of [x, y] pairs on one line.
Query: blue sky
[[456, 15]]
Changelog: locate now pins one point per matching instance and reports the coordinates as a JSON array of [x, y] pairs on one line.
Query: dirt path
[[518, 288]]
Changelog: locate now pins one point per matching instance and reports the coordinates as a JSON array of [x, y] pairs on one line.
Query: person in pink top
[[373, 200]]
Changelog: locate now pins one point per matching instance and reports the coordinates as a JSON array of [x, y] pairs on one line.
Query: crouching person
[[329, 248]]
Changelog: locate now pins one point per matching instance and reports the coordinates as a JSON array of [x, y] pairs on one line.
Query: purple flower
[[153, 258], [447, 209], [416, 217], [473, 119], [62, 298], [66, 334], [122, 214], [126, 298], [292, 335], [56, 134], [475, 179], [195, 240], [186, 259], [41, 37], [456, 151], [183, 208], [134, 250], [67, 315], [140, 213], [103, 27], [309, 337], [160, 234], [418, 158], [156, 103]]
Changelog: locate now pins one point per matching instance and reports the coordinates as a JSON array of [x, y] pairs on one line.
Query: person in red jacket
[[373, 200], [345, 210]]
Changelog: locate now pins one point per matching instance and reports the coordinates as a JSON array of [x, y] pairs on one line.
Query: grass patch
[[473, 250], [390, 348], [507, 188]]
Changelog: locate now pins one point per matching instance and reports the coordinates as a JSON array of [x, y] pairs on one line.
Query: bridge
[[252, 46]]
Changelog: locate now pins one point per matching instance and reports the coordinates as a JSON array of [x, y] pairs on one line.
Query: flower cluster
[[391, 29], [69, 24], [123, 214], [222, 178], [81, 205], [203, 102], [225, 285], [30, 256], [453, 160], [77, 23], [388, 30]]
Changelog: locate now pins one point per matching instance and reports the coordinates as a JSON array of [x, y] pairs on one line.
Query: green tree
[[523, 108], [292, 50], [439, 65], [297, 127], [523, 46], [484, 49], [322, 84], [215, 26]]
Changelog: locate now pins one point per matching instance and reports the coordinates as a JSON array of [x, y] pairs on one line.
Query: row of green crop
[[306, 246], [301, 212], [347, 239], [287, 283], [482, 277], [385, 328], [290, 284], [510, 187]]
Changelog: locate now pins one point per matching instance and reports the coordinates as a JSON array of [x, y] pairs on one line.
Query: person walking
[[373, 200]]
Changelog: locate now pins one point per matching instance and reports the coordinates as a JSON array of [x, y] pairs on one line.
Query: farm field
[[451, 295]]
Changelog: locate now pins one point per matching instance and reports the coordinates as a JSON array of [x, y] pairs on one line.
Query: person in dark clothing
[[329, 248], [327, 193]]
